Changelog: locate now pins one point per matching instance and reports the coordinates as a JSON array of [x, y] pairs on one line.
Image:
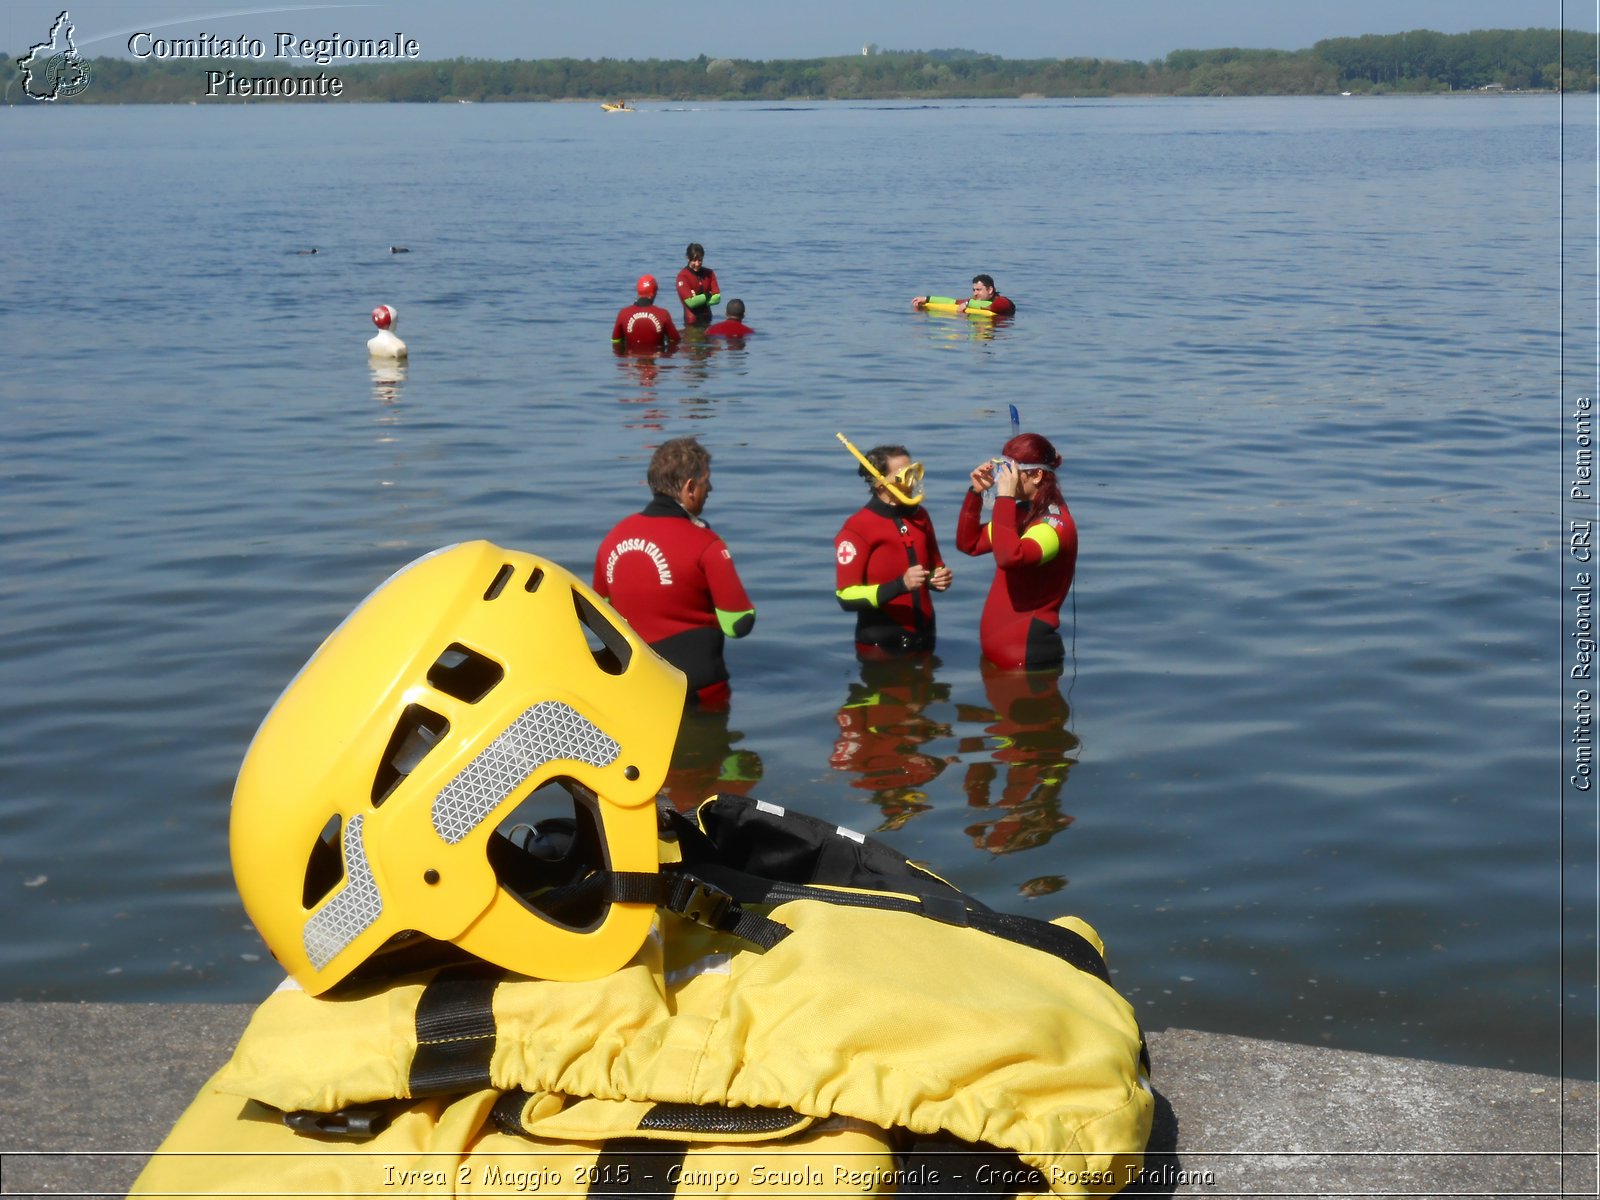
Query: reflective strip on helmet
[[353, 908], [549, 730]]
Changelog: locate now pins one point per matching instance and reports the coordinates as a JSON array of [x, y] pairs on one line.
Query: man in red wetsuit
[[734, 326], [697, 288], [672, 578], [1035, 545], [983, 296], [641, 326], [887, 558]]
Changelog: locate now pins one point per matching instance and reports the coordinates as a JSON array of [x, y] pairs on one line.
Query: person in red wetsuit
[[641, 326], [672, 578], [697, 288], [887, 559], [1035, 546], [734, 326], [983, 296]]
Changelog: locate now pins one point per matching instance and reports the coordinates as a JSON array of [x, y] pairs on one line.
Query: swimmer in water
[[643, 326], [386, 343], [984, 296]]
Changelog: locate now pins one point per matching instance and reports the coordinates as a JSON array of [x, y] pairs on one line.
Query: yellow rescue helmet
[[368, 798]]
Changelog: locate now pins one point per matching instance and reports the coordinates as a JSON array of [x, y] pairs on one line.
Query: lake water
[[1301, 358]]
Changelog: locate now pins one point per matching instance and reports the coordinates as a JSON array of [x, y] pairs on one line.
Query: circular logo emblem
[[846, 553]]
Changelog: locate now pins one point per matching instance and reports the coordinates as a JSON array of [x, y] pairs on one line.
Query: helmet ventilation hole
[[464, 674], [610, 649], [498, 584], [324, 865], [534, 580], [416, 732]]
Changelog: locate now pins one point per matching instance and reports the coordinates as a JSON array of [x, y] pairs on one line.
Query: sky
[[765, 29]]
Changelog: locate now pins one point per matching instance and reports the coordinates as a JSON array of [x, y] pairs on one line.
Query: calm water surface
[[1300, 356]]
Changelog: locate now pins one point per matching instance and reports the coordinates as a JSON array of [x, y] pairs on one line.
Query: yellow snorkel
[[909, 477]]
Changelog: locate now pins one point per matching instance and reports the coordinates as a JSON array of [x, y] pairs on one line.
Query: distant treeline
[[1419, 61]]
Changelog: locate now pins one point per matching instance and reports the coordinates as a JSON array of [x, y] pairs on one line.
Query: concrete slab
[[93, 1088]]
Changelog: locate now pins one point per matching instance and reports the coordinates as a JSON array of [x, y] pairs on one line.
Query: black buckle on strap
[[699, 901], [353, 1124]]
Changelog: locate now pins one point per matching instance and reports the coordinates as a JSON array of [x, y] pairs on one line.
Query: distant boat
[[623, 107]]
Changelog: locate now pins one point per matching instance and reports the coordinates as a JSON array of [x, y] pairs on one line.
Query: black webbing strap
[[507, 1111], [1065, 944], [357, 1123], [667, 1117], [455, 1032], [714, 894], [1070, 947], [632, 1168], [926, 1164], [703, 902], [695, 899], [795, 852]]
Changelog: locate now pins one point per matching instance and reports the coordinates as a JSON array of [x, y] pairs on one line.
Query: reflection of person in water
[[388, 379], [882, 729], [1031, 742], [705, 762]]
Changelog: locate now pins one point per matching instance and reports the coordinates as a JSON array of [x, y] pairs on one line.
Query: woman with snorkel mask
[[1035, 546], [887, 558]]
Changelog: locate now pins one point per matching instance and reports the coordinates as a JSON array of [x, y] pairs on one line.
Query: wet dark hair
[[1036, 448], [879, 457], [695, 250], [986, 280], [736, 309]]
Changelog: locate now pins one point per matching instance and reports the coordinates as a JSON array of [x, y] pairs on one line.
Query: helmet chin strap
[[888, 484]]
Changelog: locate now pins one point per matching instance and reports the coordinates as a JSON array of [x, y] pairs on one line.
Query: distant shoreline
[[1420, 62], [648, 104]]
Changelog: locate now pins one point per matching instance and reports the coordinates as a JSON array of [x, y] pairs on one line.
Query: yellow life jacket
[[893, 1034]]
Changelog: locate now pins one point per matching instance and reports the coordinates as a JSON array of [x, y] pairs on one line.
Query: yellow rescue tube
[[950, 307]]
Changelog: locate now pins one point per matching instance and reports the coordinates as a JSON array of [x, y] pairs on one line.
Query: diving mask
[[905, 485], [1019, 466]]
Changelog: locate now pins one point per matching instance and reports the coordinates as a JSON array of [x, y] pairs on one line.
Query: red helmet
[[646, 286], [384, 316]]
